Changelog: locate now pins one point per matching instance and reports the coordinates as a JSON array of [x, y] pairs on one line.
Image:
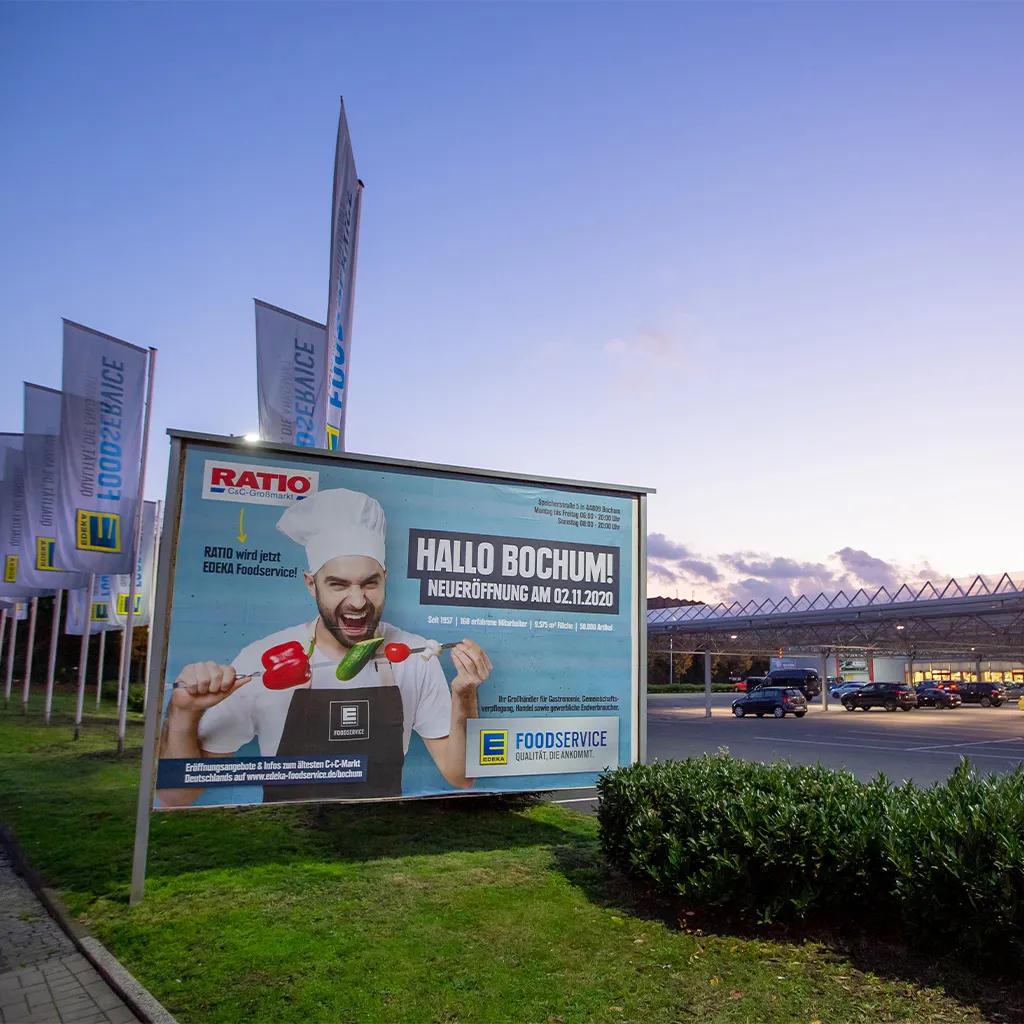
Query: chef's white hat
[[334, 523]]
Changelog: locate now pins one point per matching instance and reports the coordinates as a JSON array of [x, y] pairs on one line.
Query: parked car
[[750, 683], [840, 691], [771, 700], [806, 680], [933, 697], [881, 695], [985, 694]]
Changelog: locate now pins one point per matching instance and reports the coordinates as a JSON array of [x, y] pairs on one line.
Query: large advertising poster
[[346, 629]]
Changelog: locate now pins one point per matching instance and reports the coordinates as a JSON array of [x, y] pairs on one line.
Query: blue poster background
[[214, 616]]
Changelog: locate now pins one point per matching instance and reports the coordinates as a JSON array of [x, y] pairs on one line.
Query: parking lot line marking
[[897, 750], [576, 800], [970, 743]]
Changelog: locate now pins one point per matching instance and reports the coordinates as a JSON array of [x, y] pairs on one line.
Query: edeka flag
[[291, 370], [80, 605], [143, 576], [42, 434], [12, 524], [104, 391], [345, 207]]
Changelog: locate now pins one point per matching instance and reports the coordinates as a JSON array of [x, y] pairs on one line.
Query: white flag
[[12, 520], [291, 369], [102, 410], [39, 532], [345, 208], [144, 575], [81, 605]]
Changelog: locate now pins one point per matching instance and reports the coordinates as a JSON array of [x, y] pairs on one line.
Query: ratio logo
[[100, 611], [494, 746], [259, 485], [11, 569], [98, 531]]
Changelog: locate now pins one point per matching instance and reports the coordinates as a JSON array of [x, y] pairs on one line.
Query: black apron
[[366, 721]]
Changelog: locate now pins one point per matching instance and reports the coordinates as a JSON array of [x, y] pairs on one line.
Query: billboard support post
[[51, 663], [157, 625], [126, 651], [157, 528], [83, 657], [33, 608], [99, 666], [823, 668], [641, 575], [10, 658], [707, 680]]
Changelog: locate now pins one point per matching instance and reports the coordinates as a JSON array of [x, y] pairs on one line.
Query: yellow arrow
[[241, 527]]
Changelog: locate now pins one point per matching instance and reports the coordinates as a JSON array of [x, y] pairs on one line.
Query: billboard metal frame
[[180, 442]]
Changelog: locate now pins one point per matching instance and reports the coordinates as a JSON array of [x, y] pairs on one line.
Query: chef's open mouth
[[354, 623]]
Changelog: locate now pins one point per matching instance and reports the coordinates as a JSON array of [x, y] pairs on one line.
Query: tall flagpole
[[10, 657], [157, 530], [83, 657], [99, 664], [3, 627], [32, 609], [51, 664], [126, 653], [120, 665]]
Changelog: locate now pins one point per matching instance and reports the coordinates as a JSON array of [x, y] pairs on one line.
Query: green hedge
[[786, 842]]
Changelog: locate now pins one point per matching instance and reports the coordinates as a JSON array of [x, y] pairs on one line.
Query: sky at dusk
[[767, 259]]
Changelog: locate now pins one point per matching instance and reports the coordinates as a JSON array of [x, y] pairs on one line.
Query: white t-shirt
[[253, 710]]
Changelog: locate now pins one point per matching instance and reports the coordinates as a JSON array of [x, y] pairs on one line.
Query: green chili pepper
[[358, 655]]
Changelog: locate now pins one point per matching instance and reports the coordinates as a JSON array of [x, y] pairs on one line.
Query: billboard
[[348, 628]]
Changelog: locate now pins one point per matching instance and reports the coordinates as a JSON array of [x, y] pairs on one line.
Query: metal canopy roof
[[982, 619]]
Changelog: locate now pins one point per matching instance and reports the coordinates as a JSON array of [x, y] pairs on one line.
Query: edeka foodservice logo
[[122, 604], [257, 485], [553, 745], [44, 554], [494, 746], [98, 531]]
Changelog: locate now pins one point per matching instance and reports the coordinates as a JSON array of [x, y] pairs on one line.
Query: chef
[[216, 709]]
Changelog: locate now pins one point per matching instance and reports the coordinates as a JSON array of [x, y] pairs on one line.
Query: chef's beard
[[331, 618]]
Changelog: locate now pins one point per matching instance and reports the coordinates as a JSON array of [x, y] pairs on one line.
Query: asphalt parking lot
[[924, 745]]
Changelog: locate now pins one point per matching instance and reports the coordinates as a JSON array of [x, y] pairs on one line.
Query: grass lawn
[[428, 912]]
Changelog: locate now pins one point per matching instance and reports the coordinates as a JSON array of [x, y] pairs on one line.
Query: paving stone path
[[43, 978]]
